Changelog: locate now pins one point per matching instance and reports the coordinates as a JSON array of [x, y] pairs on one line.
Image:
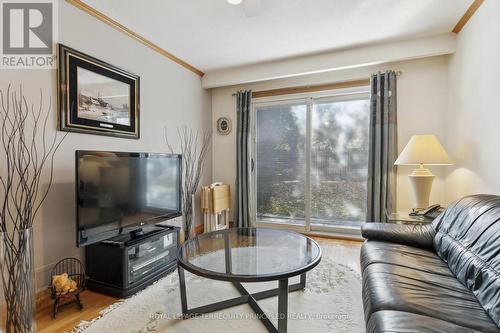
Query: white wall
[[170, 96], [376, 54], [474, 115], [422, 105]]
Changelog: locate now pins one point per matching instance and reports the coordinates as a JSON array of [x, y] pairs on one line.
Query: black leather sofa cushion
[[408, 234], [406, 322], [423, 292], [468, 239], [403, 255]]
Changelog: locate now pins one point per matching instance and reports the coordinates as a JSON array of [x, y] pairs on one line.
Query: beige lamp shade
[[423, 149]]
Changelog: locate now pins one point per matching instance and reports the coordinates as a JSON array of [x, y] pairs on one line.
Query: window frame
[[309, 99]]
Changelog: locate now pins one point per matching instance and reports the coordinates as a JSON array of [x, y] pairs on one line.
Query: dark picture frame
[[96, 97]]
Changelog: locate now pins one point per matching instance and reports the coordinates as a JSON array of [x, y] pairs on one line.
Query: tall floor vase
[[189, 217], [18, 282]]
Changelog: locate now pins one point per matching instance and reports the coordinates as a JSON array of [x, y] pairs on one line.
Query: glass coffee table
[[249, 255]]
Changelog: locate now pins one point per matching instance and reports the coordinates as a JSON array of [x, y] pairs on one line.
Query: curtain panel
[[383, 147], [243, 112]]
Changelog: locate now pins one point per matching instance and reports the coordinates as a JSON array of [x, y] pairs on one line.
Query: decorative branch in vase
[[27, 153], [194, 150]]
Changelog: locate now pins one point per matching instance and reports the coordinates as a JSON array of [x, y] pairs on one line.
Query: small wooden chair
[[76, 272]]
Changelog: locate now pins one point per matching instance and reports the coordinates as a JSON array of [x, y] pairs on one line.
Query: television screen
[[116, 192]]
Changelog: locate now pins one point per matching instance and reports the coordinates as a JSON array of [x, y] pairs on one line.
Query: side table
[[405, 218]]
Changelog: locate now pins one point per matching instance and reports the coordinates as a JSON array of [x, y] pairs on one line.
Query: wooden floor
[[69, 316]]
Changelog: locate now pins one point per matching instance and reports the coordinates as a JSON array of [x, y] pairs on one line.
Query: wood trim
[[468, 14], [345, 240], [312, 88], [198, 230], [336, 236], [109, 21]]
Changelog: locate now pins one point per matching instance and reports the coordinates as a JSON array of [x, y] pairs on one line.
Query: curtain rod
[[312, 88], [398, 73]]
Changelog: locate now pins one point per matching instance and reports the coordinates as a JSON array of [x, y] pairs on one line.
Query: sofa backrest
[[468, 239]]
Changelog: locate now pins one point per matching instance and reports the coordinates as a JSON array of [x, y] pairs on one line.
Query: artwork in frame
[[224, 125], [96, 97]]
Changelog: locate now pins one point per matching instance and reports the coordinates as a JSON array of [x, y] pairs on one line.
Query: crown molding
[[120, 27], [468, 14]]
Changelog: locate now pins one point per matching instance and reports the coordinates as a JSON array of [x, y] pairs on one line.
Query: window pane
[[339, 162], [280, 163]]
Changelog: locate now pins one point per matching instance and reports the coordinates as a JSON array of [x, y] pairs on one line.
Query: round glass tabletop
[[249, 254]]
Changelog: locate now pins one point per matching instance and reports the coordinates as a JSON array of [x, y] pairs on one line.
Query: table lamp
[[423, 150]]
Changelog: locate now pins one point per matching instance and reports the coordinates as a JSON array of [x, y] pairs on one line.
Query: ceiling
[[212, 34]]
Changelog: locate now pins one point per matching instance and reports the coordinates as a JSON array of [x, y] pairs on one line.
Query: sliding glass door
[[311, 161], [339, 161], [281, 162]]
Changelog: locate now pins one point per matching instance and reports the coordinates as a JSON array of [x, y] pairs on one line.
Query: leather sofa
[[439, 277]]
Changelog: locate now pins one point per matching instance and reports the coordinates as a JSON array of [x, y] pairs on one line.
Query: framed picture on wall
[[224, 126], [96, 97]]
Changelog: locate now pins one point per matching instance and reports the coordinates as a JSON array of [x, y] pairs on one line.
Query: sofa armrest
[[418, 235]]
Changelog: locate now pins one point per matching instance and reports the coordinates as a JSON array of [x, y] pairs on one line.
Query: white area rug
[[331, 302]]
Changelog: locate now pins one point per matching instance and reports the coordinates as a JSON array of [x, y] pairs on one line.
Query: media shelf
[[123, 265]]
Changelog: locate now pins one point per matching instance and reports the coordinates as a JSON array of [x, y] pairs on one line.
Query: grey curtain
[[243, 102], [383, 147]]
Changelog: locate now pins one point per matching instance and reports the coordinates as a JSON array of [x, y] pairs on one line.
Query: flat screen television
[[118, 192]]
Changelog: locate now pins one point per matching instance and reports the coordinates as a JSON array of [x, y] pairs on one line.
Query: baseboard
[[199, 229], [332, 235], [42, 299], [43, 277]]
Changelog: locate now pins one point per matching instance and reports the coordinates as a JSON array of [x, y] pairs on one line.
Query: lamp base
[[421, 180]]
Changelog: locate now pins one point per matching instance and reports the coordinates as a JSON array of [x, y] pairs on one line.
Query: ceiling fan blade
[[252, 7]]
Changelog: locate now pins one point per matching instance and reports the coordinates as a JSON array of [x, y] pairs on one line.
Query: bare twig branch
[[26, 155], [194, 154]]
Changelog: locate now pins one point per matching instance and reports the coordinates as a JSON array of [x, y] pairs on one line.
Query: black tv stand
[[136, 233], [127, 263]]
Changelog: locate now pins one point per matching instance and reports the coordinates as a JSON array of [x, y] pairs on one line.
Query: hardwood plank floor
[[69, 316]]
